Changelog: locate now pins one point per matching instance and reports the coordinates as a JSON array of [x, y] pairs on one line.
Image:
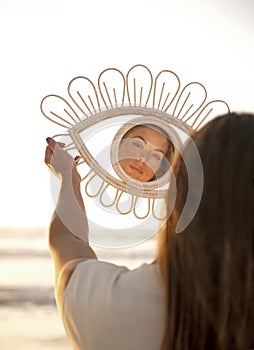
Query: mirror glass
[[144, 149], [145, 152]]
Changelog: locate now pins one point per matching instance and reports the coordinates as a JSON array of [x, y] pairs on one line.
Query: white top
[[108, 307]]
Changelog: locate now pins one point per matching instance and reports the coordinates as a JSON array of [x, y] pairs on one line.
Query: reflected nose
[[144, 156]]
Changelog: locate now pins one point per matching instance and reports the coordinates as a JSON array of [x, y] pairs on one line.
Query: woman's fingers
[[48, 154], [57, 159], [49, 139], [50, 149], [77, 158], [52, 143]]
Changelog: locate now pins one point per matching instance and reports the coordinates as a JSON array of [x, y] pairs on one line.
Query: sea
[[28, 314]]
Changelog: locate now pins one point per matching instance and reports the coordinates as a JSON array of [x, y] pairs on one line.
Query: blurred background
[[44, 44]]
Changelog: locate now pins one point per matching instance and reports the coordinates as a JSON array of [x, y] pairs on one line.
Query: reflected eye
[[137, 144], [157, 156]]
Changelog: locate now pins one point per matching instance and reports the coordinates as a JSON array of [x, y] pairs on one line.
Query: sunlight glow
[[47, 43]]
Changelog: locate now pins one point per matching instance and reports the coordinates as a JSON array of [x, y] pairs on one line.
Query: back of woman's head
[[208, 268]]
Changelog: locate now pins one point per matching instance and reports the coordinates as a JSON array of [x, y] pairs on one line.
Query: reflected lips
[[137, 168]]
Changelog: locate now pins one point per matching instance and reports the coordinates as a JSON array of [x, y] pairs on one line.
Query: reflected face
[[142, 151]]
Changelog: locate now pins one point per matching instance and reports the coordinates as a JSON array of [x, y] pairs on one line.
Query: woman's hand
[[58, 160]]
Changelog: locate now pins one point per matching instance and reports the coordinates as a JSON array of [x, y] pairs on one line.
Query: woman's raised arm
[[68, 229]]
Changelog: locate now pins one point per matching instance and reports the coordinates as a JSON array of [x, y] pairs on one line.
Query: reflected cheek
[[154, 166], [148, 169], [124, 163]]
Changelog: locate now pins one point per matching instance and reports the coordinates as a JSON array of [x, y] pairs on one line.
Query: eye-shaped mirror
[[139, 122]]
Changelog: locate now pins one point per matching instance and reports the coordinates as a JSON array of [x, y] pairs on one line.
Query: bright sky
[[44, 44]]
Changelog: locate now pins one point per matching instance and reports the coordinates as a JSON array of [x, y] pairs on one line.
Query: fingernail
[[77, 159], [49, 139]]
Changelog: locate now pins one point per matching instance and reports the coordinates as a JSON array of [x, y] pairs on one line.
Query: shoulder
[[92, 279], [92, 271]]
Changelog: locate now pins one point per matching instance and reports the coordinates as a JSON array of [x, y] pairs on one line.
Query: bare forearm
[[68, 230], [66, 247]]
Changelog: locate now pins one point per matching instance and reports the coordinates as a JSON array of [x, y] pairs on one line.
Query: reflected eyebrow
[[142, 138]]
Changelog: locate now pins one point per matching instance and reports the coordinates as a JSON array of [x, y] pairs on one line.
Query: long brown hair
[[208, 268]]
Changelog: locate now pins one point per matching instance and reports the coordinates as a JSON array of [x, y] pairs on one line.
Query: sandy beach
[[28, 315], [30, 327]]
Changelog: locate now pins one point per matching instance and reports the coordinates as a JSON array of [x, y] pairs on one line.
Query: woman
[[199, 293], [145, 152]]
